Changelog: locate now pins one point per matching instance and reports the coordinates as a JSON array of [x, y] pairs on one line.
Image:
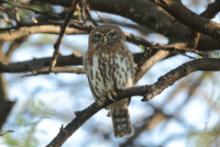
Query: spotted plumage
[[110, 67]]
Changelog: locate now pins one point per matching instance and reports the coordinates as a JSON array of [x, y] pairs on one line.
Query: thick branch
[[76, 59], [38, 64], [5, 109], [29, 66], [212, 10], [148, 14], [15, 33], [148, 91], [187, 17]]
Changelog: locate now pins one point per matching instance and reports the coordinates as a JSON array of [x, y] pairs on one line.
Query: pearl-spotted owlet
[[110, 67]]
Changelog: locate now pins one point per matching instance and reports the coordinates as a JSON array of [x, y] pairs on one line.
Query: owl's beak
[[105, 39]]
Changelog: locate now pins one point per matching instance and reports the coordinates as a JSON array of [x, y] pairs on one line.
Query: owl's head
[[106, 35]]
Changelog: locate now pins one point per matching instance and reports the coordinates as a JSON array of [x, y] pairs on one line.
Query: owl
[[110, 67]]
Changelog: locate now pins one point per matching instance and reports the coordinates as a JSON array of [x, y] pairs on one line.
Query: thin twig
[[7, 11], [87, 11], [149, 62], [2, 133], [47, 70], [63, 28]]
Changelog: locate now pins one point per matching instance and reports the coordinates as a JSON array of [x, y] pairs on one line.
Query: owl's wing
[[125, 71], [123, 75], [87, 66], [85, 61]]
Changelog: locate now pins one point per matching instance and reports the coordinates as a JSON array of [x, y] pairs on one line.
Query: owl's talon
[[112, 99], [112, 95], [101, 101]]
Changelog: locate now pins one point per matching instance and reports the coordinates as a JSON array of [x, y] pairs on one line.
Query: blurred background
[[186, 114]]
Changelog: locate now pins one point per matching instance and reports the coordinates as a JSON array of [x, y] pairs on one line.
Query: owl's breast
[[99, 75], [109, 72]]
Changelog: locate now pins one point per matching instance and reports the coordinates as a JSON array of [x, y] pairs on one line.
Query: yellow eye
[[97, 36], [112, 35]]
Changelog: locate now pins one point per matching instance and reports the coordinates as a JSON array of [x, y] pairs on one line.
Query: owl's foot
[[101, 101], [112, 95]]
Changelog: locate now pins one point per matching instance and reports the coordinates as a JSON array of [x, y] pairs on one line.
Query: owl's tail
[[121, 119]]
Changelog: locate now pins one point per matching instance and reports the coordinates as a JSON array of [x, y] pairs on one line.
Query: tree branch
[[147, 63], [37, 64], [62, 31], [76, 59], [28, 66], [212, 10], [146, 13], [147, 91], [13, 33], [187, 17], [5, 109], [48, 70]]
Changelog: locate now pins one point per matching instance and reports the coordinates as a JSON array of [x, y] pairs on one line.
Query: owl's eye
[[112, 36], [97, 36]]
